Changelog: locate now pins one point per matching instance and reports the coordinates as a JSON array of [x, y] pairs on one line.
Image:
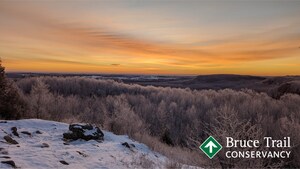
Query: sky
[[167, 37]]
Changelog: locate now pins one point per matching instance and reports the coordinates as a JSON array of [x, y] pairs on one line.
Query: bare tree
[[39, 98], [228, 124]]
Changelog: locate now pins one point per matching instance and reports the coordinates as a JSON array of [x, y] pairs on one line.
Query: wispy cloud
[[31, 35]]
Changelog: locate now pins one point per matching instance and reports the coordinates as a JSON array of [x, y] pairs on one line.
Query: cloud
[[114, 64], [32, 35]]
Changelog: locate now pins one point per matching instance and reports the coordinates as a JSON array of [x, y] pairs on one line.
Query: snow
[[90, 132], [79, 154]]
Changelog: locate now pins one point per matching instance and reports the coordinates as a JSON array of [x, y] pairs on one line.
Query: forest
[[172, 121]]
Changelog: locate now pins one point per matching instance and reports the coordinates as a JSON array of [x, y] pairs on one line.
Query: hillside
[[41, 146]]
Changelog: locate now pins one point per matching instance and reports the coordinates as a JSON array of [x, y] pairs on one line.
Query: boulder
[[10, 140], [14, 131], [45, 145], [26, 132], [127, 145], [38, 132], [10, 162], [81, 153], [64, 162], [83, 131]]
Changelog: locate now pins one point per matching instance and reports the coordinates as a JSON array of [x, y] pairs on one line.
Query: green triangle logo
[[210, 147]]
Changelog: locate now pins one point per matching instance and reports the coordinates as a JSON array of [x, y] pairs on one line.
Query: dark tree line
[[11, 104]]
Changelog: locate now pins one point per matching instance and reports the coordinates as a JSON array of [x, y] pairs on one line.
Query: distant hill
[[222, 81], [274, 86], [226, 78]]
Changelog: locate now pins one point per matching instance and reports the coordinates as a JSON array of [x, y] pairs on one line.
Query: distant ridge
[[225, 77], [274, 86]]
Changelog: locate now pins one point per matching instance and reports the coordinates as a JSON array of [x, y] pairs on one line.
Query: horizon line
[[134, 74]]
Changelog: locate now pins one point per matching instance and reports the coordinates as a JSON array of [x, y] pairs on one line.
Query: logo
[[210, 147]]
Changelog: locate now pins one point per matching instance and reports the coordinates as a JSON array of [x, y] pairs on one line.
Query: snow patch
[[31, 151]]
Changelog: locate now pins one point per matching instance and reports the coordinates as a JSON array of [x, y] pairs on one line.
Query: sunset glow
[[151, 37]]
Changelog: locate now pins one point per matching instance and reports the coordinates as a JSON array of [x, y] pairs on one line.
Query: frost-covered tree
[[228, 124], [39, 99]]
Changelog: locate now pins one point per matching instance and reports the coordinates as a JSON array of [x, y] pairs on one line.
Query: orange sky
[[158, 37]]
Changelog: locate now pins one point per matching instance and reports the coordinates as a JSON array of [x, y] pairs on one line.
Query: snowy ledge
[[41, 145]]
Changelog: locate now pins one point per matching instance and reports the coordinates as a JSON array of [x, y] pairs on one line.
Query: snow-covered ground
[[33, 152]]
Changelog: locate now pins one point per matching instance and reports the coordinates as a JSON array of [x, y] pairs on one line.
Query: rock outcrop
[[83, 131]]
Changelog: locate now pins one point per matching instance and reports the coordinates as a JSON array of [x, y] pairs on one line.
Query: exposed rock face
[[10, 140], [83, 131]]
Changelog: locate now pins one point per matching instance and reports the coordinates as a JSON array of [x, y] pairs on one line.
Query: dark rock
[[70, 136], [125, 144], [64, 162], [26, 132], [14, 131], [83, 131], [3, 151], [84, 155], [8, 139], [132, 145], [45, 145], [3, 121], [7, 157], [38, 132], [10, 162]]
